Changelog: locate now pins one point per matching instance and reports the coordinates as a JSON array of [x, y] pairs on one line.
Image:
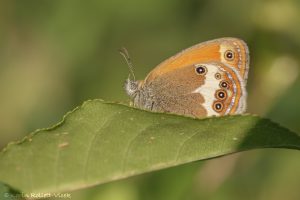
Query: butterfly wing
[[231, 51], [199, 90]]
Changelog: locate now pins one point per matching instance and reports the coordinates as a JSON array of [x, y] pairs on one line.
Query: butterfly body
[[204, 80]]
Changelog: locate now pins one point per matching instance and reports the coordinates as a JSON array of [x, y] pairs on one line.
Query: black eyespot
[[229, 55], [218, 106], [221, 94], [224, 84], [218, 76], [201, 69]]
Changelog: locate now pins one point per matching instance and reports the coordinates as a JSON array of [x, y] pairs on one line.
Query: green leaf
[[8, 193], [101, 142]]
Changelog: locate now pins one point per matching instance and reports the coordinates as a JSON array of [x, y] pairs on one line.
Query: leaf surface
[[100, 142]]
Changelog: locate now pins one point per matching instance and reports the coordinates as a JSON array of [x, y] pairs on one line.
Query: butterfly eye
[[218, 106], [221, 94], [201, 69], [218, 76], [229, 55], [224, 84]]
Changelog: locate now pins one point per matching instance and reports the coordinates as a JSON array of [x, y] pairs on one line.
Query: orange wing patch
[[197, 54], [210, 51]]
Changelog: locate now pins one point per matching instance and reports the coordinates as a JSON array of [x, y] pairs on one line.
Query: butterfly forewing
[[218, 50]]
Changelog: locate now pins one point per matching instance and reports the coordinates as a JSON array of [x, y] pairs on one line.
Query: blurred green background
[[55, 54]]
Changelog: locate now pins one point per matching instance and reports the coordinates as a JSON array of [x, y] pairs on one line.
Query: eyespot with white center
[[221, 94], [218, 106], [229, 55], [201, 69], [224, 84]]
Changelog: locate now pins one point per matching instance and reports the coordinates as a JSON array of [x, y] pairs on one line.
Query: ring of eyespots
[[218, 106], [229, 55], [221, 94], [224, 84], [201, 69]]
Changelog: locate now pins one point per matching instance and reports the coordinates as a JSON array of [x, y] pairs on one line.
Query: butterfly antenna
[[123, 51]]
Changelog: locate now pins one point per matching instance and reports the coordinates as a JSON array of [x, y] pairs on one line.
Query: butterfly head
[[131, 87]]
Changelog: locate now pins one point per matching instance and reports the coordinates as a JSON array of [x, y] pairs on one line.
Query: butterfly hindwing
[[201, 89]]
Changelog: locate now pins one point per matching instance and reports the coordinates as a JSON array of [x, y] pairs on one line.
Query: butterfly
[[207, 79]]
